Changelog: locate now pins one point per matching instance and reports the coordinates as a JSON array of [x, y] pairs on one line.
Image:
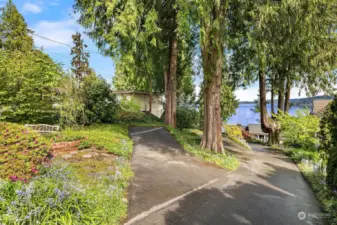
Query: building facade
[[143, 99]]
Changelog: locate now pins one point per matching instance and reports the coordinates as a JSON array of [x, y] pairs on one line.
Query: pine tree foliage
[[29, 78], [28, 87], [284, 43], [80, 60], [14, 33]]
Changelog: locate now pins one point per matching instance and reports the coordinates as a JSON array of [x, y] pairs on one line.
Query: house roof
[[256, 129], [134, 92], [319, 106]]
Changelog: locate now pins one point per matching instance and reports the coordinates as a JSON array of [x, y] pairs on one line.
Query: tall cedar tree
[[212, 43], [80, 60], [142, 36]]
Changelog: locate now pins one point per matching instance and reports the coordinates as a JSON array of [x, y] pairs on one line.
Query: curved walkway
[[267, 189]]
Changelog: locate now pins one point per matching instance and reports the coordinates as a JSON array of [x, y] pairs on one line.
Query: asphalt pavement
[[171, 187]]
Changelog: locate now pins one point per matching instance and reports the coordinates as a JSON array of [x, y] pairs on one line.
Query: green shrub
[[129, 110], [300, 154], [299, 131], [22, 151], [233, 131], [328, 138], [331, 178], [187, 118], [100, 103], [84, 145]]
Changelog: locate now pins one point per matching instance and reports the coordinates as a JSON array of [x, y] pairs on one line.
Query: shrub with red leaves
[[22, 151]]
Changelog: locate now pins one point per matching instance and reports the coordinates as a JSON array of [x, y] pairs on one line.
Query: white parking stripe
[[163, 205], [147, 131]]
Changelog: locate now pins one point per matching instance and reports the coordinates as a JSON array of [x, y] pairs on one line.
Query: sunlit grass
[[190, 140]]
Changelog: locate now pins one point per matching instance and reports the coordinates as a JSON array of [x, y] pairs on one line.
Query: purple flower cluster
[[61, 195]]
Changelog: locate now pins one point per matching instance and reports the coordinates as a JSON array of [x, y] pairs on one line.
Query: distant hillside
[[297, 102]]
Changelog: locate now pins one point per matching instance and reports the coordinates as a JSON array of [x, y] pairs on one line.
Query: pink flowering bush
[[22, 152]]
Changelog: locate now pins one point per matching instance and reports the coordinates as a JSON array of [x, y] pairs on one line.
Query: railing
[[44, 128]]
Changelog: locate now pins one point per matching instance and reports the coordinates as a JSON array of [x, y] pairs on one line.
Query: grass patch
[[298, 154], [256, 141], [242, 143], [114, 138], [84, 145], [190, 140]]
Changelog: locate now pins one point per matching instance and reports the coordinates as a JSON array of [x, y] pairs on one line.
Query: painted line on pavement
[[165, 204], [147, 131]]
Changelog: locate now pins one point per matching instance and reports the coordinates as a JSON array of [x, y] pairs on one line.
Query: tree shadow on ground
[[270, 198]]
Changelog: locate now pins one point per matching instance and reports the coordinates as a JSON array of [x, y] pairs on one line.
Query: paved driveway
[[163, 170], [267, 189]]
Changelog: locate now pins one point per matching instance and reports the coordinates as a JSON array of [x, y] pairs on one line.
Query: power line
[[61, 43], [68, 57], [68, 65]]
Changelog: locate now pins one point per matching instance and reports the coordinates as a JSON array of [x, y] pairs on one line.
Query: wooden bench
[[44, 128]]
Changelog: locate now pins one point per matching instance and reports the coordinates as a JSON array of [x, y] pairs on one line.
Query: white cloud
[[197, 90], [248, 94], [60, 31], [54, 3], [33, 8]]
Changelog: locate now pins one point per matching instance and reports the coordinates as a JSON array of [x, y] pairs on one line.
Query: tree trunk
[[280, 104], [268, 125], [274, 137], [265, 125], [150, 101], [168, 95], [272, 99], [287, 96], [173, 74], [212, 58], [171, 79]]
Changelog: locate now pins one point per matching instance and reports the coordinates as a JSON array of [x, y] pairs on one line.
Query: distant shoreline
[[294, 100]]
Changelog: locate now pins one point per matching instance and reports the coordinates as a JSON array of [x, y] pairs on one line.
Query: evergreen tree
[[281, 43], [29, 77], [14, 33], [80, 60], [144, 39], [28, 92]]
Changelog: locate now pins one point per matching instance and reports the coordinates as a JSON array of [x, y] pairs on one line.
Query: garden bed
[[85, 183]]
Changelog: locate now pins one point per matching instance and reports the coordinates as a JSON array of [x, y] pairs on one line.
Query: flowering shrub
[[22, 151], [233, 131], [56, 196]]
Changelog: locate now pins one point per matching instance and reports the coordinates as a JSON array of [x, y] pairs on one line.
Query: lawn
[[190, 139]]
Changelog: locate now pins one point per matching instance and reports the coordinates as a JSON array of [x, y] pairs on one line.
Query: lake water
[[245, 115]]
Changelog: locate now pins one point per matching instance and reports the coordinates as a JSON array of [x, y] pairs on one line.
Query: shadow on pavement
[[272, 198]]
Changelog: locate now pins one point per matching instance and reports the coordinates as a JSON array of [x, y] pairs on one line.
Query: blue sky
[[54, 19]]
